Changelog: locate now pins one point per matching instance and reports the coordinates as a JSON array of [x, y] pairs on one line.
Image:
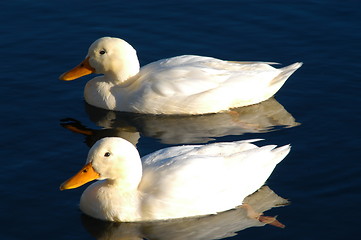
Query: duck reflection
[[218, 226], [125, 131], [263, 117]]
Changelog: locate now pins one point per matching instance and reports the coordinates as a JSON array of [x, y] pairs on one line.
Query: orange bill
[[82, 69], [76, 129], [86, 174]]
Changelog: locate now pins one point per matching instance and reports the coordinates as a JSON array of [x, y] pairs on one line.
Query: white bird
[[185, 84], [174, 182]]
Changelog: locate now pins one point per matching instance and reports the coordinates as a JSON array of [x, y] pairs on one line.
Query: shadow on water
[[267, 116], [222, 225]]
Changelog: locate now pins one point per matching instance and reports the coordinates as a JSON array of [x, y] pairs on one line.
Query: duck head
[[113, 159], [113, 57]]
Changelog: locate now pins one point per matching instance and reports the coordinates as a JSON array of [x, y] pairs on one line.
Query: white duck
[[185, 84], [174, 182]]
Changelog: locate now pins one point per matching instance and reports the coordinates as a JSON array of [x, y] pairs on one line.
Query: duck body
[[174, 182], [187, 84]]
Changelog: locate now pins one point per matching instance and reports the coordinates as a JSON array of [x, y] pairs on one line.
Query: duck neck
[[129, 180], [125, 70], [123, 185], [127, 199]]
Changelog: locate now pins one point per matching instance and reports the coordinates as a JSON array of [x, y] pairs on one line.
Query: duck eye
[[107, 154], [101, 52]]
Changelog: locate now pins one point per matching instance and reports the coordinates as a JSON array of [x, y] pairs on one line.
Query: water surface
[[317, 111]]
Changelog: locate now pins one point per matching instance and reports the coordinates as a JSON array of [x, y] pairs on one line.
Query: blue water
[[317, 110]]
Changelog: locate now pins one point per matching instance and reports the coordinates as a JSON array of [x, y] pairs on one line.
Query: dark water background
[[42, 39]]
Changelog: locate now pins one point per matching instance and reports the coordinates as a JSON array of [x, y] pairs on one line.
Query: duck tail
[[286, 72], [281, 152]]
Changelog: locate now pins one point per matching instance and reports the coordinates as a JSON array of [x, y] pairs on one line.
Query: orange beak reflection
[[86, 174], [82, 69]]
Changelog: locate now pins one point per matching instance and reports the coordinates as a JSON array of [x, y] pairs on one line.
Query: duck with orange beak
[[174, 182], [183, 85]]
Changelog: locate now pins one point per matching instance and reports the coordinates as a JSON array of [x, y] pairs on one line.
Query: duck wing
[[192, 84], [205, 179]]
